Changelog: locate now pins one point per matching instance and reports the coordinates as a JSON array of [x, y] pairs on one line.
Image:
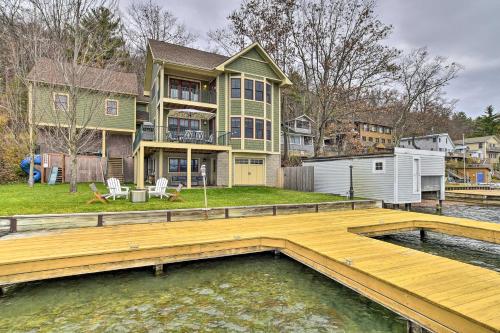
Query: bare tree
[[23, 41], [73, 116], [339, 47], [421, 80], [148, 20]]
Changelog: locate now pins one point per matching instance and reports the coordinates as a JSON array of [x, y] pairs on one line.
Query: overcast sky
[[465, 31]]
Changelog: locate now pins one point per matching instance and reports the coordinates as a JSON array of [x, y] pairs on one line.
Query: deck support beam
[[140, 171], [160, 163]]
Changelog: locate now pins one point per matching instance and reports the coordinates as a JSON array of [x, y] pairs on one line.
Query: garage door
[[249, 171]]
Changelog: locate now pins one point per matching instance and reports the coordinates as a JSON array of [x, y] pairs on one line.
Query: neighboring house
[[433, 142], [396, 177], [486, 148], [109, 96], [213, 110], [474, 174], [375, 135], [299, 135]]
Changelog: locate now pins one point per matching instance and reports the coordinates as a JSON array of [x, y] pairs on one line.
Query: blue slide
[[25, 166]]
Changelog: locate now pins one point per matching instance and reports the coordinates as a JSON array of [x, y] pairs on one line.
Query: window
[[480, 145], [236, 127], [364, 138], [268, 130], [366, 128], [383, 140], [302, 124], [185, 90], [268, 93], [259, 91], [236, 88], [308, 141], [370, 139], [252, 161], [248, 89], [180, 125], [434, 139], [249, 128], [259, 129], [241, 161], [111, 107], [378, 166], [180, 165], [377, 140], [60, 102], [373, 128], [380, 129], [295, 139]]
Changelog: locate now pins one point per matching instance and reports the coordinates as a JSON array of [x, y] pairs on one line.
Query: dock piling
[[422, 235], [158, 269]]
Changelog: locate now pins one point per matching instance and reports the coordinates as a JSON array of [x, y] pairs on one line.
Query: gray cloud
[[464, 31]]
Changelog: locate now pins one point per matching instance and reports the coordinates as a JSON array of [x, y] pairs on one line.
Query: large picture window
[[249, 128], [180, 165], [259, 129], [248, 89], [236, 88], [180, 125], [259, 91], [236, 127]]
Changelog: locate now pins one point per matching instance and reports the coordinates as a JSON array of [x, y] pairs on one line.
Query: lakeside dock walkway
[[440, 294], [487, 197]]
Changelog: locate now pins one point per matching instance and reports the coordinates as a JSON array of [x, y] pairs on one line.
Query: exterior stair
[[115, 168]]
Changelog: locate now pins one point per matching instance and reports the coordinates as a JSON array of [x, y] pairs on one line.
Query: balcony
[[196, 137], [200, 94]]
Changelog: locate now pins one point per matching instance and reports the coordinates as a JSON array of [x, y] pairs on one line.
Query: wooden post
[[13, 225], [422, 234], [230, 168], [160, 163], [140, 171], [188, 181], [158, 269], [103, 142]]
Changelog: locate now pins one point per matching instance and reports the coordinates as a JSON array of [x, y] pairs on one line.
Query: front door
[[249, 171], [480, 177]]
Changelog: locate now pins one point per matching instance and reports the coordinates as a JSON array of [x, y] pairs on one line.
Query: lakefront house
[[197, 109]]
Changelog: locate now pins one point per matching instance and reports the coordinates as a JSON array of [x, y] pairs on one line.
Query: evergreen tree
[[488, 124], [108, 43]]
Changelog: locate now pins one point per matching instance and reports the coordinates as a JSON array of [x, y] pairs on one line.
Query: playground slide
[[25, 166]]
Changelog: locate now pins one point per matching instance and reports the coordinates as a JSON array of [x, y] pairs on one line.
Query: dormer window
[[302, 124]]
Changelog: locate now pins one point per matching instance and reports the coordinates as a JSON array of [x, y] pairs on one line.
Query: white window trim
[[54, 95], [374, 170]]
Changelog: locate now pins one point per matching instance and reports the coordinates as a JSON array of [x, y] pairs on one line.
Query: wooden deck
[[487, 197], [440, 294]]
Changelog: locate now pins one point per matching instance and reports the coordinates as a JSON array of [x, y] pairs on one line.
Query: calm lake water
[[252, 293], [470, 251]]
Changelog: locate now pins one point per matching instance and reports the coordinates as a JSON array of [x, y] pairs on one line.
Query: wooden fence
[[296, 178], [30, 223]]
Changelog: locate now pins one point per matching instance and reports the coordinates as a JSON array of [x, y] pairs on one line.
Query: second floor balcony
[[202, 94], [186, 136]]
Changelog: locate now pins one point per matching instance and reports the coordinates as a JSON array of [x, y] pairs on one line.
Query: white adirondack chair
[[159, 190], [116, 190]]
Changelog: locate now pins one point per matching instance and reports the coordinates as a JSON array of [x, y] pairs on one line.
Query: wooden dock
[[487, 197], [440, 294]]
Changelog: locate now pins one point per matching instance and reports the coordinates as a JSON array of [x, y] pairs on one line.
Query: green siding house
[[198, 111]]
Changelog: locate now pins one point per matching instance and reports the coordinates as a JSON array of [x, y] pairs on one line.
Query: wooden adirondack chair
[[116, 190], [159, 190], [98, 197], [175, 195]]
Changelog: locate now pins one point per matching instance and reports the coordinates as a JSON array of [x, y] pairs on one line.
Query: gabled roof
[[48, 71], [301, 116], [479, 139], [183, 55], [427, 136], [264, 54]]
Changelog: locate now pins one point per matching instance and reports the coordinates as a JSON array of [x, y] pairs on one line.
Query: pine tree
[[108, 43], [489, 123]]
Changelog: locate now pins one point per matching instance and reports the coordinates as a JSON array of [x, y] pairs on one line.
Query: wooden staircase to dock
[[115, 168]]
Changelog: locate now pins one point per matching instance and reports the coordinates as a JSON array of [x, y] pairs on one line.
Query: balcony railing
[[163, 134]]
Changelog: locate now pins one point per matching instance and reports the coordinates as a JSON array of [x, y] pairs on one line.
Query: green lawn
[[18, 199]]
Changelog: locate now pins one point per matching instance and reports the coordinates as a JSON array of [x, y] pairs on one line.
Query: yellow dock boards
[[439, 293]]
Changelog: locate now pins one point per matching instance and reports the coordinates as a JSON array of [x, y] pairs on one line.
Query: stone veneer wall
[[273, 163], [223, 169]]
